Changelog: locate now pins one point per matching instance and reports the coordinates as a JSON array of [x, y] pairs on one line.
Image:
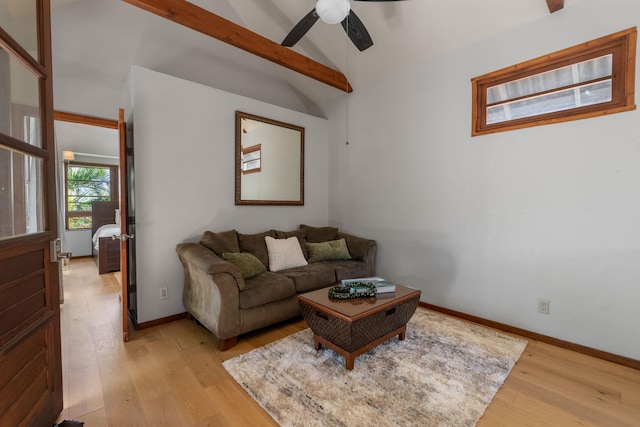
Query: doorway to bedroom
[[87, 173], [95, 188]]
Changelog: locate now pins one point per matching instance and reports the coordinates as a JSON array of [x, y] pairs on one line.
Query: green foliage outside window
[[85, 185]]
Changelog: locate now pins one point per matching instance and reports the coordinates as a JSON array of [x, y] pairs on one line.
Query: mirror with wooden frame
[[269, 161]]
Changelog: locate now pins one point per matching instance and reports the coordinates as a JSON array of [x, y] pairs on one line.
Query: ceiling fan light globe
[[333, 11]]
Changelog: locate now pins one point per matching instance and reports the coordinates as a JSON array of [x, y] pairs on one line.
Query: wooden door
[[129, 202], [122, 136], [30, 358]]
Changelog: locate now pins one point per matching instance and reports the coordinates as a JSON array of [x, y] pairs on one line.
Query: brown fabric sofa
[[228, 304]]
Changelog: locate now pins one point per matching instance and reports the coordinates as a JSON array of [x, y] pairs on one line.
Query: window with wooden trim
[[252, 159], [85, 184], [591, 79]]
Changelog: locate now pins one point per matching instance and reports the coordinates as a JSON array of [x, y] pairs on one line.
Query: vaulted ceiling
[[97, 41]]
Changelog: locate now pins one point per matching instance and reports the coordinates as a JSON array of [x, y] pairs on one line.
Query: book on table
[[382, 285]]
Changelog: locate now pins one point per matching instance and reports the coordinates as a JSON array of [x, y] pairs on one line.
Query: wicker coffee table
[[352, 327]]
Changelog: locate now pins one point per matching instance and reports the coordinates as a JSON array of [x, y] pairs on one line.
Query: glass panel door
[[31, 378], [20, 20], [21, 190], [19, 101]]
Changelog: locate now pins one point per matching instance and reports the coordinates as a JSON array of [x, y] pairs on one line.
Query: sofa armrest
[[211, 289], [360, 249], [207, 261]]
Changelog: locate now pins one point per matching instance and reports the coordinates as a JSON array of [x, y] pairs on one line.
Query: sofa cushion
[[296, 233], [347, 269], [328, 251], [284, 253], [248, 264], [219, 243], [311, 277], [255, 245], [265, 288], [319, 234]]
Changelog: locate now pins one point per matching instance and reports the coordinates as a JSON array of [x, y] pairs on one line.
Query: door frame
[[116, 125]]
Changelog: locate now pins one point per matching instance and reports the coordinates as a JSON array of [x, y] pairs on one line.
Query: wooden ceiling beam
[[555, 5], [210, 24]]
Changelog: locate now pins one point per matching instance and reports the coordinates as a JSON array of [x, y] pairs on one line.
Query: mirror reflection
[[269, 161]]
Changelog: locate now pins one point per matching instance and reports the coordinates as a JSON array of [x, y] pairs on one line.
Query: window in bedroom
[[87, 183], [591, 79]]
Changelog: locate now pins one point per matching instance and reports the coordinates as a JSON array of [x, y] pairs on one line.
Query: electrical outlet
[[543, 305], [164, 293]]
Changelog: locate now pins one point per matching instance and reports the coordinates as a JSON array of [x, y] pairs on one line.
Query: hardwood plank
[[227, 394], [147, 376], [80, 337], [84, 392], [526, 411], [122, 403], [189, 390], [170, 357], [96, 418], [184, 335], [169, 409], [574, 398], [603, 376], [205, 365], [210, 24]]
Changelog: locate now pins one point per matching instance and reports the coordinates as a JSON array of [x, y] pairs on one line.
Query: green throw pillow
[[248, 264], [328, 251]]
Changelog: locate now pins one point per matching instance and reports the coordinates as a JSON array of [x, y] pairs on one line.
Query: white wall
[[184, 145], [86, 98], [487, 225]]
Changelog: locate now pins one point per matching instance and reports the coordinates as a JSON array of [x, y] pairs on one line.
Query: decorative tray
[[352, 290]]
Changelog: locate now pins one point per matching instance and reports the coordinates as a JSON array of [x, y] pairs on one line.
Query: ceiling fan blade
[[300, 29], [356, 31]]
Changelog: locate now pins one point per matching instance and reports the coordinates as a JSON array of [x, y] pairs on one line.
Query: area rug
[[444, 373]]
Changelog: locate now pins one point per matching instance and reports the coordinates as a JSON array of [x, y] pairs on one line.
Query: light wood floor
[[171, 375]]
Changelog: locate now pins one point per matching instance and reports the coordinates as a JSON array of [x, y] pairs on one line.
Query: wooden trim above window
[[63, 116], [622, 45]]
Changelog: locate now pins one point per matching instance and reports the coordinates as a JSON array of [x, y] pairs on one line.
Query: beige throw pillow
[[284, 253]]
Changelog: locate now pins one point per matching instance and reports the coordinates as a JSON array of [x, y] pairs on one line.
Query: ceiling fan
[[333, 12]]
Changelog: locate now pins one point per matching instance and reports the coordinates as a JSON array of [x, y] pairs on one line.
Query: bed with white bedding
[[106, 250], [107, 230]]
